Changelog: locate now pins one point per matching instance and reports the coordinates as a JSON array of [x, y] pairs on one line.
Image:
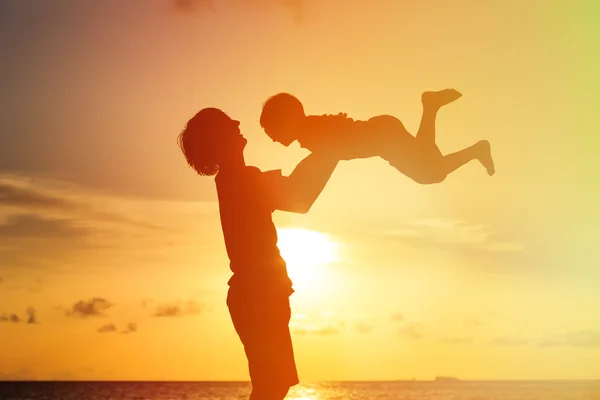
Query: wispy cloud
[[178, 309], [95, 307], [14, 318], [397, 317], [454, 234], [296, 7], [14, 193], [112, 328], [33, 226], [583, 338], [31, 317], [107, 328], [309, 329], [22, 374], [130, 328], [474, 322], [457, 340], [411, 331], [364, 327], [507, 341], [41, 218]]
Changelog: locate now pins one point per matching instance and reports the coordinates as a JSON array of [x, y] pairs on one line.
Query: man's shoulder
[[264, 177]]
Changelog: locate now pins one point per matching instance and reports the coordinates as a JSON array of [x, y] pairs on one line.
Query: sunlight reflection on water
[[407, 390]]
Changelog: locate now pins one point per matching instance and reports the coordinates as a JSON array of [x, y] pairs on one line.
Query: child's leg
[[432, 102], [426, 167], [480, 151]]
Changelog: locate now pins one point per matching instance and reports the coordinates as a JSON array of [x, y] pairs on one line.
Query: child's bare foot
[[440, 98], [484, 155]]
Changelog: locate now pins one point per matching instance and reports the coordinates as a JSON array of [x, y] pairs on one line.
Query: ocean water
[[401, 390]]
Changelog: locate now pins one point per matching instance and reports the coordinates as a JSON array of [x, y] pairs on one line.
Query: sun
[[307, 254]]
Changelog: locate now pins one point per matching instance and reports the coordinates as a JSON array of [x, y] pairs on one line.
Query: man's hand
[[298, 192]]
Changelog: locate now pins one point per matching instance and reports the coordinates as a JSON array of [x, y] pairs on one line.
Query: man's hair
[[278, 108], [200, 142]]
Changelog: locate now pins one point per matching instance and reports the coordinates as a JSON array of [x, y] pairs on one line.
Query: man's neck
[[234, 165]]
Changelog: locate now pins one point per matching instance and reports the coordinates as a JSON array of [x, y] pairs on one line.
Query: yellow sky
[[102, 224]]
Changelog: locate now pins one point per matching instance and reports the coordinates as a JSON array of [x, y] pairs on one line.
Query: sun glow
[[306, 254]]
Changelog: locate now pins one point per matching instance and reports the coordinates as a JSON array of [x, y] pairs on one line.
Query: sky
[[112, 261]]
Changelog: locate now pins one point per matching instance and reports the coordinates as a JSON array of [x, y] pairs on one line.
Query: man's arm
[[297, 192]]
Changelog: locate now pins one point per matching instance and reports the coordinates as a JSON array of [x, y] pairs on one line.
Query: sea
[[396, 390]]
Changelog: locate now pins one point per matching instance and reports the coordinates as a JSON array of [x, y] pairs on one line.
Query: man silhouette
[[259, 290]]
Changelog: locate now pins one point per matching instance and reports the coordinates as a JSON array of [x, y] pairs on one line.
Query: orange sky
[[102, 225]]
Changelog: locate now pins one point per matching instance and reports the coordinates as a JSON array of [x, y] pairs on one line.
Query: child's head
[[281, 116], [211, 139]]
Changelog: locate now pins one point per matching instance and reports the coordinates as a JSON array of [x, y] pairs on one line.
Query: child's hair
[[279, 108], [199, 142]]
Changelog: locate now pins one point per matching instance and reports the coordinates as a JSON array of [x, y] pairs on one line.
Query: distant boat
[[446, 379]]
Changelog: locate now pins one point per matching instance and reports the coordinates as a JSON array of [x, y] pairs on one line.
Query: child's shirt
[[332, 131]]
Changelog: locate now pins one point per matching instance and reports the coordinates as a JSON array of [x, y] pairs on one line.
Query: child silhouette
[[418, 157]]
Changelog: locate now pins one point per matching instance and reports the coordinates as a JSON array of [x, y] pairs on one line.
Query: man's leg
[[274, 392], [263, 327]]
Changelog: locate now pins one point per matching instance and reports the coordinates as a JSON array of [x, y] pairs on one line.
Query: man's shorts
[[262, 323]]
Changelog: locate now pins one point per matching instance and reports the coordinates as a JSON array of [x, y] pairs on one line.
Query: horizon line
[[442, 381]]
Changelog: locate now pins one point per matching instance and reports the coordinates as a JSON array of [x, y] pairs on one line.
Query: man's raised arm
[[297, 192]]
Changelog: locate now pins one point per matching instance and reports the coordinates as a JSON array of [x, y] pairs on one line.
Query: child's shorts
[[263, 327]]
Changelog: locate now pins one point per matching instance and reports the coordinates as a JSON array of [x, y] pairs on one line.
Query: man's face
[[231, 136]]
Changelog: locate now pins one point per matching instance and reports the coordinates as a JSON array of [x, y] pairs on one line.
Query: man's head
[[211, 139], [281, 117]]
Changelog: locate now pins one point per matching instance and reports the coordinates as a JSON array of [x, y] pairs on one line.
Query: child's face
[[285, 132]]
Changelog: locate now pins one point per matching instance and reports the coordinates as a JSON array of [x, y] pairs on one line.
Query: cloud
[[14, 318], [410, 331], [470, 323], [107, 328], [22, 374], [178, 309], [327, 330], [581, 339], [453, 234], [32, 316], [112, 328], [22, 194], [193, 5], [363, 327], [509, 341], [130, 328], [328, 326], [18, 195], [94, 307], [33, 226], [397, 317], [40, 218], [296, 7], [457, 340]]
